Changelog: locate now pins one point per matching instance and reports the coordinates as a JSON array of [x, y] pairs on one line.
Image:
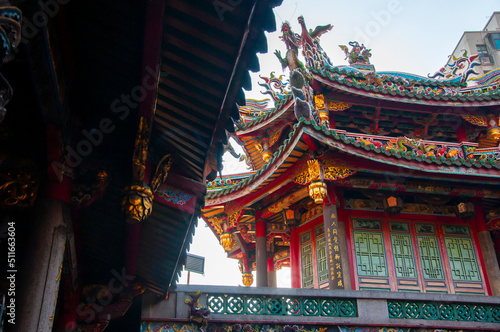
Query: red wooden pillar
[[336, 244], [271, 272], [295, 257], [488, 252], [155, 12], [261, 252], [347, 259], [461, 134]]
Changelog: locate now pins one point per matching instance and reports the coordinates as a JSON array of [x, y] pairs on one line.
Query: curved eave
[[205, 61], [264, 121], [430, 166], [421, 100], [262, 176], [251, 151]]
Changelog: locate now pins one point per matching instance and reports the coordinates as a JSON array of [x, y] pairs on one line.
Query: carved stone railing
[[319, 309]]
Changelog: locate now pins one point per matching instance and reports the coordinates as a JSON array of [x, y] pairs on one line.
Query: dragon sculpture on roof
[[309, 41], [358, 54]]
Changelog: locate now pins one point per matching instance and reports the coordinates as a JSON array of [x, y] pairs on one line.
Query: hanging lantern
[[393, 205], [324, 116], [247, 279], [317, 191], [227, 241], [137, 203], [291, 217], [465, 210]]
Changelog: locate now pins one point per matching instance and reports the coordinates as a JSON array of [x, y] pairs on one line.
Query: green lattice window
[[463, 263], [402, 251], [370, 254], [432, 267], [321, 259], [307, 265]]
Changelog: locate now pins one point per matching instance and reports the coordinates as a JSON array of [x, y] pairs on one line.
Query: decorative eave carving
[[88, 188], [332, 168], [141, 151], [18, 189], [117, 304], [161, 172], [137, 202]]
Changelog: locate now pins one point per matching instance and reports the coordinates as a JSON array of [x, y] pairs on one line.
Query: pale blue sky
[[407, 36]]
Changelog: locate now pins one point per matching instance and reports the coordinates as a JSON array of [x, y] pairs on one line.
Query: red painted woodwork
[[270, 264], [311, 143], [344, 218], [295, 258], [461, 134], [310, 227], [59, 184], [260, 228], [132, 247], [332, 198], [438, 221], [480, 221], [155, 11], [331, 120], [479, 225]]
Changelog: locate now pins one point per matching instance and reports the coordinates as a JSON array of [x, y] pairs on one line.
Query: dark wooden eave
[[97, 49], [205, 59]]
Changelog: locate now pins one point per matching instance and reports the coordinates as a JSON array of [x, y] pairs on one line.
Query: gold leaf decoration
[[333, 173], [141, 151], [476, 120], [319, 101], [216, 224], [338, 106], [161, 172], [314, 169]]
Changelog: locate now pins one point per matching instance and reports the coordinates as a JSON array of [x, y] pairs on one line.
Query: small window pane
[[321, 257], [402, 250], [370, 254], [307, 266], [432, 268], [463, 263]]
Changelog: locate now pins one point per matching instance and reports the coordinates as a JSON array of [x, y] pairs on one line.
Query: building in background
[[485, 43]]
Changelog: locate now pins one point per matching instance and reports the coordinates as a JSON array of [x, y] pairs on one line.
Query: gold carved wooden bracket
[[18, 189], [315, 172], [324, 106], [330, 168], [88, 187], [137, 202]]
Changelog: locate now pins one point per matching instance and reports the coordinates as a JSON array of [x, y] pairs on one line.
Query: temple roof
[[407, 88], [429, 157]]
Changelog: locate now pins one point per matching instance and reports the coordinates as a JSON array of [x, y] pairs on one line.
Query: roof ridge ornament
[[359, 56], [312, 51], [462, 67]]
